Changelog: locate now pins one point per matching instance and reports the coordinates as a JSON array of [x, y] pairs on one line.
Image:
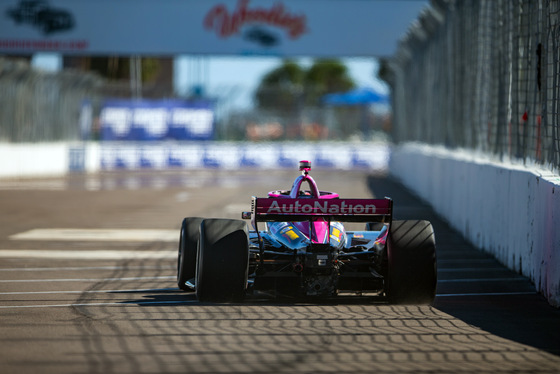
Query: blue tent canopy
[[359, 96]]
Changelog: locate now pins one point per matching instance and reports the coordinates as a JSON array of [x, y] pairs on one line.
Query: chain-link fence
[[481, 75], [38, 106]]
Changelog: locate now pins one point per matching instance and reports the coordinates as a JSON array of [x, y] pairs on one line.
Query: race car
[[298, 247]]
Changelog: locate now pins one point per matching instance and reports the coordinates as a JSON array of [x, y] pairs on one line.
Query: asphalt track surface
[[100, 296]]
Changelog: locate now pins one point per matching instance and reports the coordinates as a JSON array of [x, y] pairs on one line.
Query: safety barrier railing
[[38, 106], [481, 75]]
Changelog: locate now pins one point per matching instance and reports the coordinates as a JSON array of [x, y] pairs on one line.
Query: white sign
[[219, 27]]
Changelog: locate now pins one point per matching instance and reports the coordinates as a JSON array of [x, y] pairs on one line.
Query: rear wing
[[344, 210]]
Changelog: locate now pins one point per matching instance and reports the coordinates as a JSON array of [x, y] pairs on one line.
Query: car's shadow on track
[[526, 319], [175, 296]]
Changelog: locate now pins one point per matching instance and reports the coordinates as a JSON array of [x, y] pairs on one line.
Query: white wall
[[511, 211], [33, 159], [57, 159], [19, 160]]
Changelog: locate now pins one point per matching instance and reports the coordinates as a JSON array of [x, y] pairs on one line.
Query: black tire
[[223, 260], [188, 246], [411, 267]]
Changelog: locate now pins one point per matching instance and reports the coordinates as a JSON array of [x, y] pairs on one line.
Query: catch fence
[[481, 75], [36, 106]]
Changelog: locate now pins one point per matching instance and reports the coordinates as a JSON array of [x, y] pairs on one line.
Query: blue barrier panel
[[156, 120], [231, 155], [191, 121], [77, 159]]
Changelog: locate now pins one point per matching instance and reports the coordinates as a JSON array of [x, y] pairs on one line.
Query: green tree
[[326, 76], [281, 88], [290, 86]]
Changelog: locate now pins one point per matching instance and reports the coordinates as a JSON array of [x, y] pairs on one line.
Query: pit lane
[[108, 302]]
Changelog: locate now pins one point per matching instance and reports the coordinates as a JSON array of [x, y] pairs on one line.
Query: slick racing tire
[[411, 267], [223, 260], [188, 245]]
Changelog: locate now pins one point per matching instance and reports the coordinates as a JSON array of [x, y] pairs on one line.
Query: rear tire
[[411, 268], [223, 260], [188, 246]]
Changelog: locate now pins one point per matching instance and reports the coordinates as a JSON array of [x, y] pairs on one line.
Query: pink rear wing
[[345, 210]]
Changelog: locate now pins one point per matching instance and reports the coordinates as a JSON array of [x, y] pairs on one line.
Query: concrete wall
[[46, 159], [57, 159], [510, 211]]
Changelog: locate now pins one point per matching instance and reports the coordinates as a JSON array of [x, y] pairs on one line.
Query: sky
[[234, 79]]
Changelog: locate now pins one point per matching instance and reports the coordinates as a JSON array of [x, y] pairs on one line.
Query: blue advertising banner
[[157, 120], [232, 155]]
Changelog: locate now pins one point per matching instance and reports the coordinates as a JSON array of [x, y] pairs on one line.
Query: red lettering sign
[[226, 24]]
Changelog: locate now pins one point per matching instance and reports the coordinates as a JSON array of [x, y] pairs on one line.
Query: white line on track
[[87, 279], [135, 235], [138, 303], [91, 291], [486, 294], [80, 268], [88, 255], [123, 303], [467, 280], [470, 270]]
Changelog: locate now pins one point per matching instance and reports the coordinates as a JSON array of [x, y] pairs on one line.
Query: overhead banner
[[156, 120], [216, 27]]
